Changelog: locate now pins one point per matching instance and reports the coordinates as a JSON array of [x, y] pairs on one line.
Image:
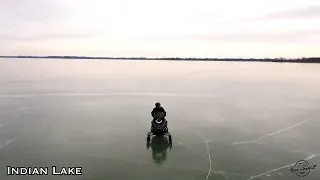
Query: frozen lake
[[229, 121]]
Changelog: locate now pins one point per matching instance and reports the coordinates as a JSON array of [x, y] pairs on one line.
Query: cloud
[[309, 12], [20, 17], [30, 10], [47, 36], [38, 20], [299, 37], [128, 27], [303, 12]]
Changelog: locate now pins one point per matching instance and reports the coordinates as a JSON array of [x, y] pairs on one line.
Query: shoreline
[[279, 60]]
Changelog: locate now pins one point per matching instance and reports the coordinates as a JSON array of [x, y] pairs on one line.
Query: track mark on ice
[[273, 170], [208, 152], [273, 133]]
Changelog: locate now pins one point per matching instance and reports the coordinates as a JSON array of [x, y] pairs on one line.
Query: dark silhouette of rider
[[157, 109]]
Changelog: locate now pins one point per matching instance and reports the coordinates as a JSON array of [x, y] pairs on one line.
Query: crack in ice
[[273, 133], [285, 149], [273, 170], [208, 152], [8, 142]]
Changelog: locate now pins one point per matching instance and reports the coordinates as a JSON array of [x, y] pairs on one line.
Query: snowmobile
[[159, 127]]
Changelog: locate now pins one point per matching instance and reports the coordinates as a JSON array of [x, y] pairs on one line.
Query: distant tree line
[[293, 60]]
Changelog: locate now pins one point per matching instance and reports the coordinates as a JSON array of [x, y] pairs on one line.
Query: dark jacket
[[155, 110]]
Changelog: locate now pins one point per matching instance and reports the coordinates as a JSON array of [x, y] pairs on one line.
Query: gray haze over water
[[234, 121]]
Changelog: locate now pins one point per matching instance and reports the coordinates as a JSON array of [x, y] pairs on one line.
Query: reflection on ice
[[159, 146]]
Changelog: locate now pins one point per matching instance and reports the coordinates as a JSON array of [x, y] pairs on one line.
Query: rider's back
[[157, 110]]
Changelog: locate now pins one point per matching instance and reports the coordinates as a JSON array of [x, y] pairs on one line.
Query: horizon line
[[149, 58], [275, 60]]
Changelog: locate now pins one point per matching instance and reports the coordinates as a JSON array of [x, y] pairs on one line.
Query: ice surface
[[96, 115]]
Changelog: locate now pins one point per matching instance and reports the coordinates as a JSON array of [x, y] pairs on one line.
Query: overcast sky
[[186, 28]]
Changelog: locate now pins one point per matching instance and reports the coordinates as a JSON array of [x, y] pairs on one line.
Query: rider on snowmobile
[[157, 109]]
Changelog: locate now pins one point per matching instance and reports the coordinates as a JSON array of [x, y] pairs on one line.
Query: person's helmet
[[158, 104]]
